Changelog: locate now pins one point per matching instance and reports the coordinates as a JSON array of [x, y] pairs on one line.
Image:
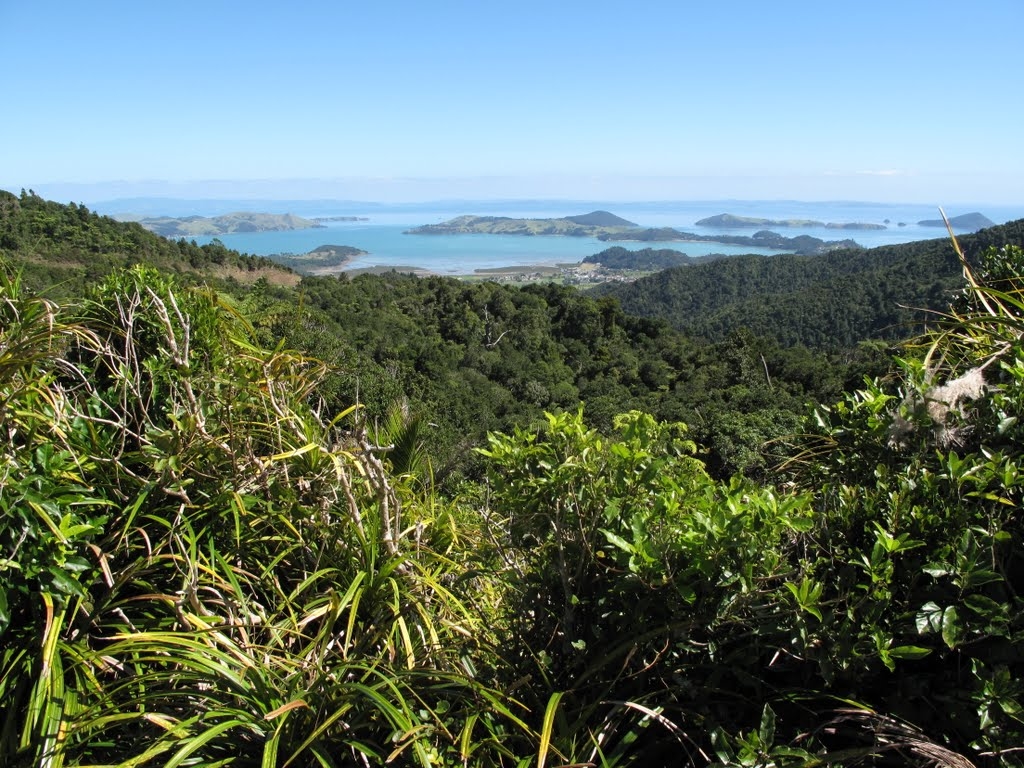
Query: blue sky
[[890, 101]]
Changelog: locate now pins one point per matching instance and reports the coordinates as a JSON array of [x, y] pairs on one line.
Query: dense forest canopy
[[223, 540]]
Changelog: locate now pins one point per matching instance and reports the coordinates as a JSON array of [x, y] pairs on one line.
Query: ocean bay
[[382, 234]]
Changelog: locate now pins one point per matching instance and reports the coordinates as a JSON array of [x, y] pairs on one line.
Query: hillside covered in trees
[[64, 248], [835, 299], [223, 542]]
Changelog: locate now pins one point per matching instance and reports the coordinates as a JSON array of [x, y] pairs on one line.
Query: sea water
[[383, 235]]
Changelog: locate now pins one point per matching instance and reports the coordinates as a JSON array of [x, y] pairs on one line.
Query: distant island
[[229, 223], [802, 244], [591, 224], [321, 219], [609, 227], [600, 219], [854, 225], [730, 221], [968, 222]]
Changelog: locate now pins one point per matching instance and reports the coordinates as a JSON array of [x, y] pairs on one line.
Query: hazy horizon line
[[877, 187], [519, 199]]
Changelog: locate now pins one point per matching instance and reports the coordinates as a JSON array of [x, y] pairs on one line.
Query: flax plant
[[47, 519], [262, 591]]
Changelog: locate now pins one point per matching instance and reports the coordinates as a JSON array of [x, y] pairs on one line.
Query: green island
[[854, 225], [591, 224], [195, 226], [751, 511], [970, 222], [728, 221]]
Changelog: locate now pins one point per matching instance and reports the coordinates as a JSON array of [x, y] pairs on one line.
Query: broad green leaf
[[985, 606], [64, 582], [909, 652], [767, 729], [929, 619], [951, 629], [618, 541]]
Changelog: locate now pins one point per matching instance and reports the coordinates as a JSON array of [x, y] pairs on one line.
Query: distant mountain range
[[968, 222]]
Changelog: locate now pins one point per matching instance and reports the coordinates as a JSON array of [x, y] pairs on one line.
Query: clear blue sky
[[891, 101]]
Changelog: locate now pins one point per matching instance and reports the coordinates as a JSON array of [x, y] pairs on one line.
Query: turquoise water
[[386, 245]]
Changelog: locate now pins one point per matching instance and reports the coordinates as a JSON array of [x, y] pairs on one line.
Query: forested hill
[[473, 358], [64, 247], [833, 300]]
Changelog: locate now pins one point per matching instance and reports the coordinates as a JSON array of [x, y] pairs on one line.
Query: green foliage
[[47, 512], [211, 554], [882, 587], [919, 532], [635, 571]]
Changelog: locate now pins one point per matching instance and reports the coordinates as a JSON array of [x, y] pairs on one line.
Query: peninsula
[[592, 224], [644, 260], [197, 226], [327, 259]]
